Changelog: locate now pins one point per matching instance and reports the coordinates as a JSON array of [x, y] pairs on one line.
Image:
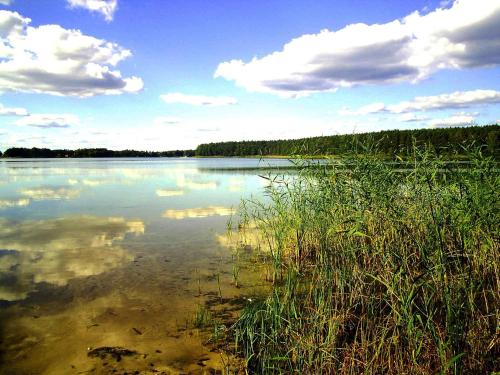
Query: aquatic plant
[[203, 318], [378, 268]]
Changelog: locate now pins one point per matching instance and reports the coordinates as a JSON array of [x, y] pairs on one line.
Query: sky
[[171, 74]]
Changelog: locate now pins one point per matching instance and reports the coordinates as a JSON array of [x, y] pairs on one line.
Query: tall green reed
[[378, 268]]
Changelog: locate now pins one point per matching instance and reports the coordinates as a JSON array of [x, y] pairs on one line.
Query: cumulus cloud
[[458, 99], [455, 120], [52, 60], [412, 117], [365, 110], [4, 111], [49, 120], [106, 7], [455, 100], [198, 100], [11, 23], [466, 35]]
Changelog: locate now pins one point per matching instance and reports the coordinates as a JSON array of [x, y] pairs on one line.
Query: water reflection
[[195, 183], [236, 184], [57, 250], [248, 237], [50, 193], [169, 192], [86, 182], [8, 203], [72, 260], [198, 212]]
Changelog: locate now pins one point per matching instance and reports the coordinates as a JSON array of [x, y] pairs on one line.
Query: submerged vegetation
[[377, 269]]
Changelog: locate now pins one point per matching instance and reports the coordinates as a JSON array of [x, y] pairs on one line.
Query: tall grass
[[378, 269]]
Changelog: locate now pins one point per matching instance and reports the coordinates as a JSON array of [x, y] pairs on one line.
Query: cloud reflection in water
[[8, 203], [198, 212], [57, 250], [50, 193], [169, 193]]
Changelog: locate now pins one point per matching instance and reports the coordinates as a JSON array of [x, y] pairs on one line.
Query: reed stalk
[[378, 269]]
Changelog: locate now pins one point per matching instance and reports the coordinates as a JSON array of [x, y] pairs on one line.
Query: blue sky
[[169, 74]]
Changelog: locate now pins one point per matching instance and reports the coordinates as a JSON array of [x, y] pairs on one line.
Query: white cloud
[[455, 120], [411, 117], [48, 120], [52, 60], [248, 127], [4, 111], [365, 110], [11, 23], [5, 2], [188, 135], [106, 7], [199, 100], [457, 99], [466, 35], [162, 121]]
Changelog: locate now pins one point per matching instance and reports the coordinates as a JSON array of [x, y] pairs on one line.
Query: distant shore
[[451, 143]]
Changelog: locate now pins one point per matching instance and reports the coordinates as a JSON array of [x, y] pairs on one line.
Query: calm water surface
[[116, 252]]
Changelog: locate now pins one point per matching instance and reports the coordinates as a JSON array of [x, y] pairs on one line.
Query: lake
[[106, 253]]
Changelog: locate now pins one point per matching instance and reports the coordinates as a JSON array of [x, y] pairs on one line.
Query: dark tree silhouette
[[445, 141]]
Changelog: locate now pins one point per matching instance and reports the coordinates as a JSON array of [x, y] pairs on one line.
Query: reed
[[378, 269], [202, 318]]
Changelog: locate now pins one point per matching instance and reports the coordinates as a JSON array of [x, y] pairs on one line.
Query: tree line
[[21, 152], [388, 143], [449, 141]]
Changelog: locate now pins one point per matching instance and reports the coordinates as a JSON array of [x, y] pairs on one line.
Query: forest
[[444, 141], [21, 152], [389, 143]]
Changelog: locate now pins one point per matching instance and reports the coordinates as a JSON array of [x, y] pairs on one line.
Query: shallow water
[[117, 253]]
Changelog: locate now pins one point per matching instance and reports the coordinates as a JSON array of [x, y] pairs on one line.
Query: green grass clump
[[378, 269], [203, 318]]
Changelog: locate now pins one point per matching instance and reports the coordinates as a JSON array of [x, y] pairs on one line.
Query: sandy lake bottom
[[105, 263]]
